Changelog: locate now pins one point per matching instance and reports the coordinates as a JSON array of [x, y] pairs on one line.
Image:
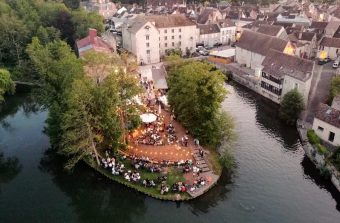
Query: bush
[[321, 149], [227, 160], [312, 137], [291, 107]]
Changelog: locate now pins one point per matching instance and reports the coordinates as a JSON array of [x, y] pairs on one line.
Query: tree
[[335, 87], [291, 106], [196, 91], [6, 83], [82, 21]]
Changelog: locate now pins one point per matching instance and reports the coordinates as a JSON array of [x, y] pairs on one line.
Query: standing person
[[197, 142]]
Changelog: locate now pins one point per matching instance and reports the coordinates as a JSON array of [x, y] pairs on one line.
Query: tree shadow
[[93, 196], [9, 168], [313, 173]]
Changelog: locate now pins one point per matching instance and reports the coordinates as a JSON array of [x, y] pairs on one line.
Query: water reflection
[[312, 173], [9, 168], [9, 108], [213, 197], [93, 197], [267, 117]]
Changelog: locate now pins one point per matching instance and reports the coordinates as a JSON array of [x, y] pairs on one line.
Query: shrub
[[291, 107], [321, 149], [312, 137]]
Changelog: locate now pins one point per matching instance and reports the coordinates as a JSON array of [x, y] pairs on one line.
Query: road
[[319, 89]]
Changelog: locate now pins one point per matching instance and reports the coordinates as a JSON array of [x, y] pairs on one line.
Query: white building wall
[[228, 33], [184, 37], [327, 128], [291, 83], [210, 39]]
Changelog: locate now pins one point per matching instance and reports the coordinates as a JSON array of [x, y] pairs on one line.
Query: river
[[273, 181]]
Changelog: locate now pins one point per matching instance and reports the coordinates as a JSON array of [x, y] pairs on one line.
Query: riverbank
[[319, 160]]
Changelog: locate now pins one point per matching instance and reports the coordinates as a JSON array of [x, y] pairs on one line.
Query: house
[[252, 48], [228, 31], [295, 18], [329, 47], [165, 3], [209, 34], [141, 38], [209, 15], [95, 43], [282, 73], [150, 37], [105, 8], [331, 28], [175, 32], [273, 30], [306, 44], [326, 124]]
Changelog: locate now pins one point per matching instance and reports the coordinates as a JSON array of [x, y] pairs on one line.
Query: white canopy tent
[[148, 117]]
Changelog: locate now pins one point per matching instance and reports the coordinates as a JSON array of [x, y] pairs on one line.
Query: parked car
[[204, 52], [336, 63], [217, 44], [324, 61]]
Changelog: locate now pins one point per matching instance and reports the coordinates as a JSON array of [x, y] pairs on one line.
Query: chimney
[[92, 34]]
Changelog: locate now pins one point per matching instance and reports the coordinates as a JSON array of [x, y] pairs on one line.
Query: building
[[282, 73], [227, 31], [298, 19], [209, 34], [155, 35], [306, 44], [329, 47], [95, 43], [326, 124], [273, 30], [252, 48], [141, 38], [105, 8], [209, 15]]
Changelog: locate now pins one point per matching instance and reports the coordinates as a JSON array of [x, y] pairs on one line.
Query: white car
[[336, 63]]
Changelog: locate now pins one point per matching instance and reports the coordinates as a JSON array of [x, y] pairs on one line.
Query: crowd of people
[[144, 163]]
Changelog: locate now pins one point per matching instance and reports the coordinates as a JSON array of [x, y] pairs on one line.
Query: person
[[201, 152], [197, 142]]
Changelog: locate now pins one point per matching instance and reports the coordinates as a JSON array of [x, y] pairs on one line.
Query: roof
[[279, 64], [204, 16], [260, 43], [328, 114], [93, 42], [271, 30], [225, 23], [208, 29], [136, 24], [318, 25], [305, 36], [330, 42], [162, 21]]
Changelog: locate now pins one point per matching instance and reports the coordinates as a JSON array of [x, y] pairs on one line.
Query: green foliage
[[312, 137], [321, 149], [6, 83], [335, 159], [291, 107], [335, 87], [82, 21], [227, 160], [196, 92]]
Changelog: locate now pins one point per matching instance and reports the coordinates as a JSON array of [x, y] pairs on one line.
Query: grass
[[321, 149], [312, 137], [174, 175]]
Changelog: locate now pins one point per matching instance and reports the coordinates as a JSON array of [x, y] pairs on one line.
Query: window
[[147, 44], [166, 45], [179, 30], [172, 30], [180, 36], [165, 37], [148, 52], [331, 136], [180, 43], [320, 128], [172, 37], [296, 86], [147, 37], [165, 31], [173, 44]]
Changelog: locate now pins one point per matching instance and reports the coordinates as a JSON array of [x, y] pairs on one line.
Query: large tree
[[291, 107], [195, 95], [6, 83], [335, 87]]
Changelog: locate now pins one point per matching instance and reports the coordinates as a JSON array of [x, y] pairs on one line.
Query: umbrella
[[159, 109], [148, 117]]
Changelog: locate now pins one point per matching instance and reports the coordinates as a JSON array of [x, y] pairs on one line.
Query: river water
[[273, 181]]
